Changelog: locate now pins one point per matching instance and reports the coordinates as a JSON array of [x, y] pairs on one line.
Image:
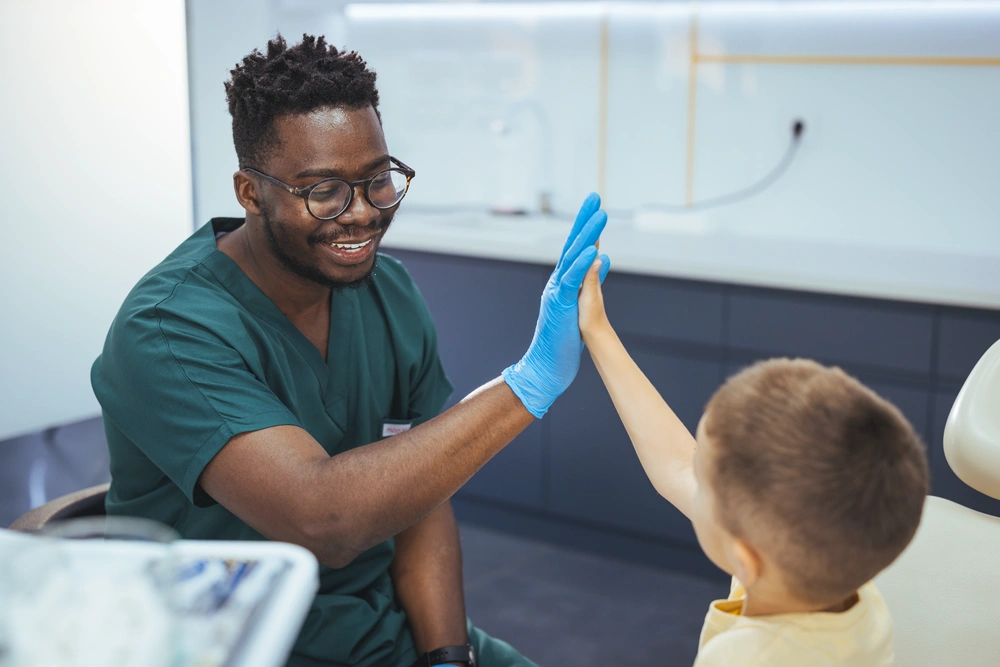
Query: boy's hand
[[593, 317], [553, 358]]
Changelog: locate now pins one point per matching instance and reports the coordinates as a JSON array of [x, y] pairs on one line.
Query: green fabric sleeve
[[179, 391]]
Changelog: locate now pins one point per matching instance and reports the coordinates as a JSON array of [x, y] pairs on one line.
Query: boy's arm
[[664, 445]]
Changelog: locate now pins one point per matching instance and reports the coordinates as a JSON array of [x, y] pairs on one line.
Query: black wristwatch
[[448, 654]]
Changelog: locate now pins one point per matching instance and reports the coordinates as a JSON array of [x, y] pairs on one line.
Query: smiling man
[[251, 380]]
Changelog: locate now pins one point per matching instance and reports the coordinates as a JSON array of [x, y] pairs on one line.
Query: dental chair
[[944, 591]]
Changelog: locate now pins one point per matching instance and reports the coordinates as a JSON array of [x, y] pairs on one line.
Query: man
[[250, 380]]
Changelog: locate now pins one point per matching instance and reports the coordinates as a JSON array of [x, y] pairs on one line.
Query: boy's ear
[[748, 563]]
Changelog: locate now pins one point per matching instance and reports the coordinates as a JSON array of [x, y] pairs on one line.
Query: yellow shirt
[[860, 636]]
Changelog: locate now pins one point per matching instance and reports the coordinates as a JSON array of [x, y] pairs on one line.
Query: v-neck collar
[[259, 304]]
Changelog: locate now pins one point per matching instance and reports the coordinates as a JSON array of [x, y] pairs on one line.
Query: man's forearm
[[427, 576], [372, 493], [663, 444]]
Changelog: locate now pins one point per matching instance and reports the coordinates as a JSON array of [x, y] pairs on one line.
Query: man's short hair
[[295, 80], [817, 471]]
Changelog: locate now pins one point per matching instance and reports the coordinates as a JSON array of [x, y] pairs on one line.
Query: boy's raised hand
[[553, 358], [593, 317]]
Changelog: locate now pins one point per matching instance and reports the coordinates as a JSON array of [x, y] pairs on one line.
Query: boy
[[800, 482]]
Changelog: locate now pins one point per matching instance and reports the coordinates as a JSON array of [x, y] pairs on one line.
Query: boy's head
[[806, 475]]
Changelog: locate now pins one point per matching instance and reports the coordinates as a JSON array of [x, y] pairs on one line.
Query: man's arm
[[282, 483], [427, 576], [664, 445]]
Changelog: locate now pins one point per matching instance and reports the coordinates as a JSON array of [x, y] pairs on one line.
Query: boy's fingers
[[593, 273], [605, 267]]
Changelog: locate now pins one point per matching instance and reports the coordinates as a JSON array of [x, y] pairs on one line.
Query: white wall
[[894, 155], [95, 182], [221, 33], [446, 82]]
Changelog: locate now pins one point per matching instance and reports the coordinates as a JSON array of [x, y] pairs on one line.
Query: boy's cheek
[[711, 544], [711, 536]]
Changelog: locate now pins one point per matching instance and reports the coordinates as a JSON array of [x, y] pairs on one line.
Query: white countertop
[[660, 247]]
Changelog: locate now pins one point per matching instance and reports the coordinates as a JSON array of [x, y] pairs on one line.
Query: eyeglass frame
[[305, 191]]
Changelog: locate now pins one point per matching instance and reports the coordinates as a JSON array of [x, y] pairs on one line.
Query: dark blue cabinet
[[670, 310], [596, 475], [965, 335], [835, 330], [573, 477]]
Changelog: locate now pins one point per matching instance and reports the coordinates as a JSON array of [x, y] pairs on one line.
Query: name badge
[[394, 427]]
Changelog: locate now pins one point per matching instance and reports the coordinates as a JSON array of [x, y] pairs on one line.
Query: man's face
[[332, 141]]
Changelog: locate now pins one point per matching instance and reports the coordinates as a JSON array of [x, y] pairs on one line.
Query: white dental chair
[[944, 590]]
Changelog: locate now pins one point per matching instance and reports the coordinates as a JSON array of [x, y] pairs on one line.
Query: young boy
[[800, 482]]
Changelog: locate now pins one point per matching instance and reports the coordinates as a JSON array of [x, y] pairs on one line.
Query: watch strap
[[448, 654]]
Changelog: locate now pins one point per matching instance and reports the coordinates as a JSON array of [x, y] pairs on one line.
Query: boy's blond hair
[[816, 471]]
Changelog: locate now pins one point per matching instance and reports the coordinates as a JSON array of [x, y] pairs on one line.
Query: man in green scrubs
[[251, 380]]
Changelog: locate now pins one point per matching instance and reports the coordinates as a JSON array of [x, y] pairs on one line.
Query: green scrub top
[[198, 354]]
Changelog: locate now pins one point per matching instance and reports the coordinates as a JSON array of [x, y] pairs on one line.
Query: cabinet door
[[965, 335], [485, 313], [663, 309], [834, 330], [595, 474]]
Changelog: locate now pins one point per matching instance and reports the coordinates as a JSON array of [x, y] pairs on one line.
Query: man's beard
[[278, 240]]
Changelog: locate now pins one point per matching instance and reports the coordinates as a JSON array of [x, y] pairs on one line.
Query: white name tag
[[395, 428]]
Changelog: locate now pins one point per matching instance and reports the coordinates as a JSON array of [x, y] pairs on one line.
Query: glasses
[[330, 197]]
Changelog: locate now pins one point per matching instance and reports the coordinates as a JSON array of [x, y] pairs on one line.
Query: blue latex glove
[[553, 358]]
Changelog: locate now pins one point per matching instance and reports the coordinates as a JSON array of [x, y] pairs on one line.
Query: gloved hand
[[553, 358]]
